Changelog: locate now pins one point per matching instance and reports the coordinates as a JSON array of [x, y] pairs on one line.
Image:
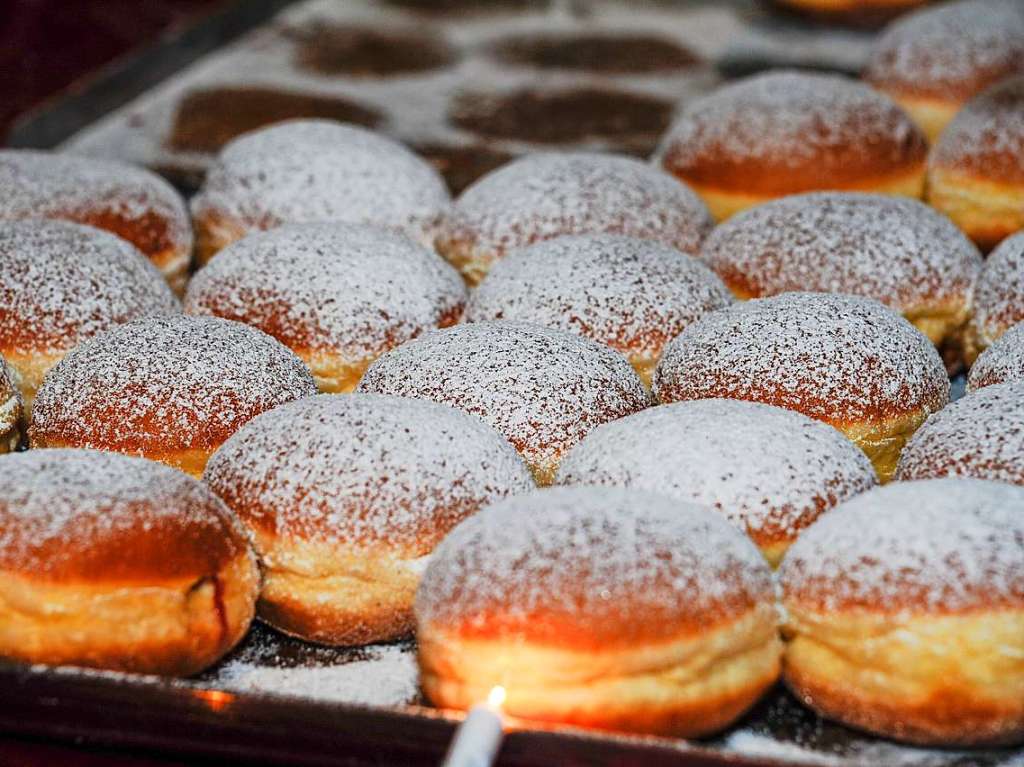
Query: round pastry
[[338, 295], [845, 360], [62, 283], [551, 194], [11, 412], [347, 496], [303, 171], [906, 612], [854, 13], [976, 170], [543, 389], [168, 388], [118, 563], [632, 295], [934, 60], [998, 296], [895, 250], [1002, 361], [783, 133], [131, 202], [770, 471], [599, 607], [980, 435]]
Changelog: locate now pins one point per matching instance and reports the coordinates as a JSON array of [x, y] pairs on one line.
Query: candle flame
[[496, 697]]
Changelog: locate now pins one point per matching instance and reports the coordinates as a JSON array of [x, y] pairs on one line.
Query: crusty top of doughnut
[[319, 170], [166, 383], [586, 567], [10, 399], [980, 435], [784, 132], [770, 471], [833, 357], [950, 52], [345, 288], [1002, 361], [61, 283], [633, 295], [893, 249], [986, 138], [364, 470], [930, 546], [999, 294], [549, 194], [129, 201], [74, 516], [543, 389]]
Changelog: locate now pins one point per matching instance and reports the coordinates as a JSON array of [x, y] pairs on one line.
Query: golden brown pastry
[[11, 412], [1002, 361], [855, 13], [845, 360], [172, 389], [998, 296], [118, 563], [906, 612], [599, 607], [347, 496]]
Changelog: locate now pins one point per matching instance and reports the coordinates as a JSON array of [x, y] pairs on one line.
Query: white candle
[[478, 738]]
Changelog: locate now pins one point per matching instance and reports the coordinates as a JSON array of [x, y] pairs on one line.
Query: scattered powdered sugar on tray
[[770, 471], [893, 249], [542, 389], [319, 170], [832, 357], [550, 194], [634, 295], [1002, 361], [346, 288], [61, 283], [999, 296]]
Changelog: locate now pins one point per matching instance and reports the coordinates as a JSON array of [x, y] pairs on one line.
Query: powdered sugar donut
[[551, 194], [998, 297], [62, 283], [906, 612], [10, 410], [784, 133], [338, 295], [131, 202], [1002, 361], [770, 471], [895, 250], [116, 562], [168, 388], [542, 389], [302, 171], [976, 170], [935, 60], [347, 496], [980, 435], [599, 607], [845, 360], [633, 295]]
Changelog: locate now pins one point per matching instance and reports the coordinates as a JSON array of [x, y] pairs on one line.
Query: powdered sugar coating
[[364, 470], [10, 402], [1002, 361], [165, 383], [999, 295], [833, 357], [104, 516], [986, 137], [980, 435], [345, 288], [37, 184], [831, 127], [616, 564], [550, 194], [633, 295], [893, 249], [771, 472], [542, 389], [939, 545], [950, 52], [318, 170], [61, 283]]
